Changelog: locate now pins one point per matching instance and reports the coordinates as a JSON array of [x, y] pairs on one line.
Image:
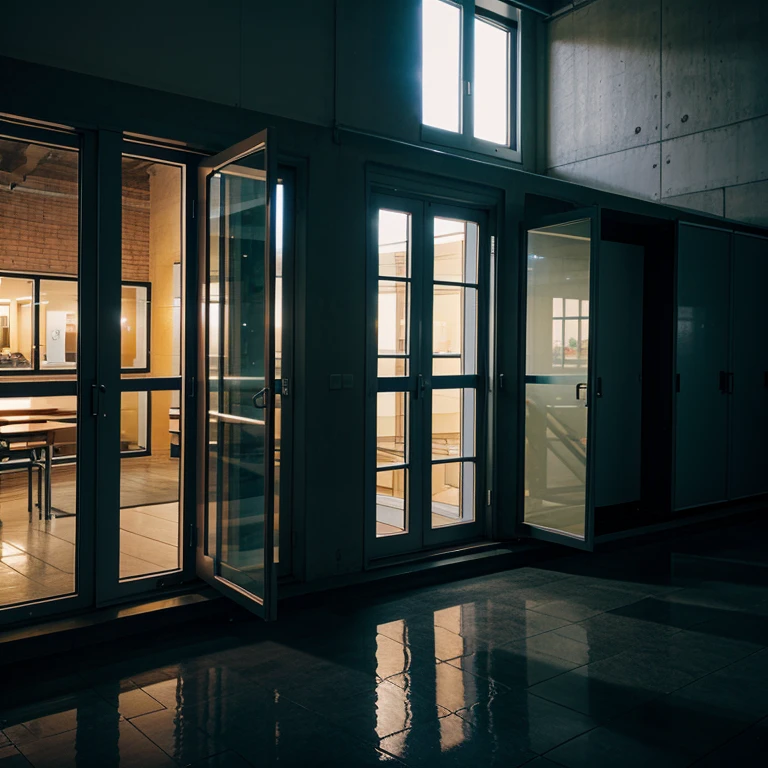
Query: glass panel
[[39, 214], [58, 324], [441, 65], [278, 425], [391, 428], [393, 317], [237, 441], [39, 243], [393, 366], [555, 420], [150, 444], [453, 423], [491, 83], [134, 326], [453, 493], [17, 332], [394, 244], [391, 510], [150, 346], [455, 251], [37, 546], [454, 331], [153, 223]]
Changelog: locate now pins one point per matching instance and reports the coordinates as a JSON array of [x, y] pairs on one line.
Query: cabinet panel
[[703, 286], [749, 354], [620, 356]]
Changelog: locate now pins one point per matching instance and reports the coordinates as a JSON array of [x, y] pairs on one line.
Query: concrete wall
[[662, 99]]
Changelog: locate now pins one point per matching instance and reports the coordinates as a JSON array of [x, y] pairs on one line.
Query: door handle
[[420, 386], [723, 382], [263, 395], [579, 387]]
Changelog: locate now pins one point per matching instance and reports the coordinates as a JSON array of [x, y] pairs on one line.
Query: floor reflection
[[615, 659]]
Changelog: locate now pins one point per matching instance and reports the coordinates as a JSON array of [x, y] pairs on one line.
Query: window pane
[[391, 489], [453, 492], [394, 244], [491, 85], [391, 428], [455, 251], [16, 323], [151, 266], [150, 445], [393, 366], [453, 423], [37, 549], [454, 330], [134, 314], [441, 64], [393, 318], [39, 210]]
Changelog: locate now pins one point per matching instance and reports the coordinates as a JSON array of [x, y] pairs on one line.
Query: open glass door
[[235, 546], [561, 385]]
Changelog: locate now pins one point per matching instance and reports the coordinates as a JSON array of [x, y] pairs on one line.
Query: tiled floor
[[37, 559], [646, 656]]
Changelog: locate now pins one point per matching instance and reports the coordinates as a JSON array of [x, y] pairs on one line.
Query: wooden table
[[39, 432]]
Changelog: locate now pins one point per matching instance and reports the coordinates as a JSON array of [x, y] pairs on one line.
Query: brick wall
[[39, 221]]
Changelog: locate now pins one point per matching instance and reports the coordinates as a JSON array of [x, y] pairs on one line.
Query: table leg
[[48, 463]]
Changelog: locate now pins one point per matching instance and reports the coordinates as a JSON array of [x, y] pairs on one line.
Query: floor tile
[[514, 665], [118, 745], [593, 693], [450, 687], [749, 747], [55, 716], [453, 741], [10, 757], [226, 759], [386, 710], [537, 723], [178, 736], [604, 748]]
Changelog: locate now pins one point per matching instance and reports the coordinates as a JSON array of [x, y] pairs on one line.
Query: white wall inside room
[[664, 100]]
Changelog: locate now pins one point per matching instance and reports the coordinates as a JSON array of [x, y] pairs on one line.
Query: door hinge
[[490, 498], [285, 388], [193, 208], [190, 386], [192, 535]]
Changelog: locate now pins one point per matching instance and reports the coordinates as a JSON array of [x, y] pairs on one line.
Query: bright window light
[[441, 65], [491, 82]]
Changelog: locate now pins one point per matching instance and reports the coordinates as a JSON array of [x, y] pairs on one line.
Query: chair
[[17, 460]]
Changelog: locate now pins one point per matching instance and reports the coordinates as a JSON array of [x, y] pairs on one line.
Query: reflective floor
[[646, 656]]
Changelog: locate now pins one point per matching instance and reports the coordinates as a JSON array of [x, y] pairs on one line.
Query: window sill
[[465, 146]]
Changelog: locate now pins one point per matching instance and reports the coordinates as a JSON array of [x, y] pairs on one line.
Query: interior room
[[383, 383]]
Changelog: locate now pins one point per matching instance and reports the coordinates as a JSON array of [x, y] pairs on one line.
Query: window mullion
[[468, 69]]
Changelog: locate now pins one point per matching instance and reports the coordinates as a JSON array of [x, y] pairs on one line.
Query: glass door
[[48, 371], [562, 389], [427, 295], [235, 548]]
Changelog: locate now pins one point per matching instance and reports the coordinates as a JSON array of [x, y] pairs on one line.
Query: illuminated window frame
[[500, 14]]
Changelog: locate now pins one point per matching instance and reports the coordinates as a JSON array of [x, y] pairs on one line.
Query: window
[[570, 332], [469, 75]]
